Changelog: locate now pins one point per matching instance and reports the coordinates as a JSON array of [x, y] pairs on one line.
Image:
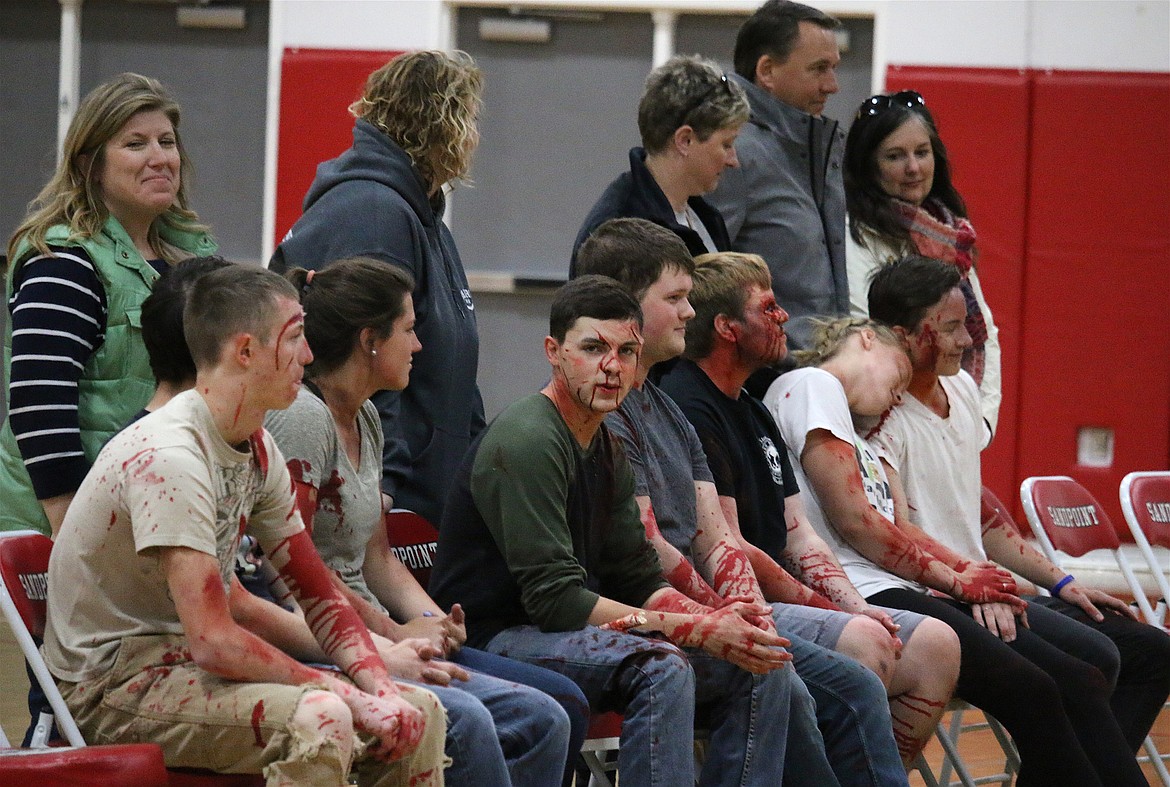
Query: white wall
[[1106, 35], [1092, 35], [362, 24]]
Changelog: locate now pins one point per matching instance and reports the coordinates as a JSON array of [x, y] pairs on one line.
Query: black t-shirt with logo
[[744, 450]]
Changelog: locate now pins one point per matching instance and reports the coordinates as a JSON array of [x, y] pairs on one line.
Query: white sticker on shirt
[[773, 458], [873, 479]]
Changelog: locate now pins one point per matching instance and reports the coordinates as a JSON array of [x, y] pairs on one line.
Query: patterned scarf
[[938, 233]]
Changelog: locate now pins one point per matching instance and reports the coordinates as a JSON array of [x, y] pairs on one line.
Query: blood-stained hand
[[883, 617], [397, 725], [416, 659], [983, 582], [730, 634]]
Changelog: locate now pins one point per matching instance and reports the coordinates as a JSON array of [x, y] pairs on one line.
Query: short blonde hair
[[829, 336], [72, 197], [427, 103], [721, 283], [693, 91]]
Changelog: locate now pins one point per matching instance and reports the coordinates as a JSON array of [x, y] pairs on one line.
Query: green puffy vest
[[116, 382]]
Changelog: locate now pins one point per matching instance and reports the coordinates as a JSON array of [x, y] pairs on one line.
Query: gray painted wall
[[218, 76]]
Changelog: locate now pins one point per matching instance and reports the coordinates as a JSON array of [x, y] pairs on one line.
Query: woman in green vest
[[114, 215]]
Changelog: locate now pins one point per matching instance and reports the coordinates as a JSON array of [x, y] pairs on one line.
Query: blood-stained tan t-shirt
[[168, 480]]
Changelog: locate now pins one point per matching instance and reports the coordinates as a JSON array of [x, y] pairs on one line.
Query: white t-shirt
[[938, 461], [806, 399], [168, 480], [688, 218]]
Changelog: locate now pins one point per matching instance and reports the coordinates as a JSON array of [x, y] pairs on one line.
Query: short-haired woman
[[689, 117]]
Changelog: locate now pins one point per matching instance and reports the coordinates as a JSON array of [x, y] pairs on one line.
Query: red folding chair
[[413, 540], [140, 764], [1065, 516], [24, 565], [1145, 501]]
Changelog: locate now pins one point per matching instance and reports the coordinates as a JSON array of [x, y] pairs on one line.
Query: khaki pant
[[154, 693]]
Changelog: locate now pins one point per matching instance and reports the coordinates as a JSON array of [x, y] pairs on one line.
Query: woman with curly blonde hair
[[383, 198], [113, 216]]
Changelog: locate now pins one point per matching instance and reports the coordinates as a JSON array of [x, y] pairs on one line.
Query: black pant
[[1054, 704], [1143, 674]]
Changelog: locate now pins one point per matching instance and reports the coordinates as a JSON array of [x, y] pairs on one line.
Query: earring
[[373, 351]]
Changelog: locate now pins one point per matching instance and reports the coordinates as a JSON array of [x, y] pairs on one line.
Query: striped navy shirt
[[58, 313]]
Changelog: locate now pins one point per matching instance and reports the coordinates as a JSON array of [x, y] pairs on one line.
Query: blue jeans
[[502, 733], [853, 711], [753, 720], [512, 721]]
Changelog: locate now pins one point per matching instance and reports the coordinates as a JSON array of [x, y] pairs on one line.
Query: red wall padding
[[1097, 287], [982, 115], [1066, 176], [316, 88]]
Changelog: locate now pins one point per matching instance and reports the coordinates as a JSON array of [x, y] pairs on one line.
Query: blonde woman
[[383, 198], [114, 214]]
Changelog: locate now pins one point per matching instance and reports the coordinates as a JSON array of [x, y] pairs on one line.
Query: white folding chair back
[[1065, 515], [1145, 501]]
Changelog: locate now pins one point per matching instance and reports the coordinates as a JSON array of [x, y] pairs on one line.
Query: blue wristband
[[1059, 586]]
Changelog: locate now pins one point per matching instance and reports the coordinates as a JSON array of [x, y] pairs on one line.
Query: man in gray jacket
[[786, 201]]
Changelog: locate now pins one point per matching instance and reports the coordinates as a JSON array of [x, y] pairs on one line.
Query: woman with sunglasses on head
[[901, 200], [689, 117]]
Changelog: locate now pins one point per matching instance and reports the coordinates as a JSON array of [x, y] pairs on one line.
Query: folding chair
[[948, 732], [950, 729], [413, 540], [1145, 501], [24, 565], [1065, 516], [605, 731], [140, 764]]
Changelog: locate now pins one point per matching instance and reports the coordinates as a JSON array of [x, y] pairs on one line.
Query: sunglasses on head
[[723, 82], [875, 105]]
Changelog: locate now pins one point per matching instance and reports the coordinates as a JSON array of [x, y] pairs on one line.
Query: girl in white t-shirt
[[857, 370]]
